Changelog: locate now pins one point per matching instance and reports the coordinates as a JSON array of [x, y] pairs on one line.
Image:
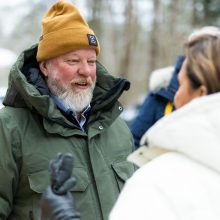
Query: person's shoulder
[[8, 113]]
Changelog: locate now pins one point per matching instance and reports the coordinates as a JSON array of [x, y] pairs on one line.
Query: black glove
[[57, 202], [60, 170]]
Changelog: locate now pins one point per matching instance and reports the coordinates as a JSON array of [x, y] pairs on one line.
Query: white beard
[[75, 101]]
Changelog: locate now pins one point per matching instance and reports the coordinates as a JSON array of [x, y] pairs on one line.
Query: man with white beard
[[61, 99]]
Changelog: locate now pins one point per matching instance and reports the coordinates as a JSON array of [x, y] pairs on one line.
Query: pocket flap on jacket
[[82, 179], [40, 180], [123, 169]]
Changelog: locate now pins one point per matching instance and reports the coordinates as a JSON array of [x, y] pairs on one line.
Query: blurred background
[[136, 36]]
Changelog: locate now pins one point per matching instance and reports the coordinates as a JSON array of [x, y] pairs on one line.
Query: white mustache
[[82, 81]]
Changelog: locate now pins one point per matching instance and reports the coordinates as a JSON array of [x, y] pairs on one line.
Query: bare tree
[[95, 15], [170, 31], [194, 16], [109, 54], [127, 39], [28, 28], [155, 33]]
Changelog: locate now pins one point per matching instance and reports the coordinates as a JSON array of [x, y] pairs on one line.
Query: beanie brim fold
[[63, 41]]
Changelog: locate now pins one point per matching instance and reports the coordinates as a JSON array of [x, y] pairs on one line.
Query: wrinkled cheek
[[94, 79], [93, 76]]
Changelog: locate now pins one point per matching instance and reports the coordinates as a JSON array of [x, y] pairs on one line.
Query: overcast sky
[[12, 3]]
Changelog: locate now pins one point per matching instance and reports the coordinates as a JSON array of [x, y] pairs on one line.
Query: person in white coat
[[181, 180]]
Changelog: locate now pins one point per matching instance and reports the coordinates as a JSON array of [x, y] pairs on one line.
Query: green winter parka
[[33, 130]]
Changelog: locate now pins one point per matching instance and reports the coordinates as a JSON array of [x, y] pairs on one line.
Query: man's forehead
[[83, 52]]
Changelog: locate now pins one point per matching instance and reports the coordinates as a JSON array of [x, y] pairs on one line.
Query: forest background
[[136, 36]]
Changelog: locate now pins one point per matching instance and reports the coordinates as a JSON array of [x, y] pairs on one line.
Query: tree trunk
[[155, 35], [127, 39]]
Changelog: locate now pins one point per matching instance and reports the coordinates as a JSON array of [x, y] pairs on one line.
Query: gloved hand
[[60, 170], [57, 202]]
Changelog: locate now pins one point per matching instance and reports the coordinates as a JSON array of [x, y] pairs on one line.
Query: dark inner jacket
[[33, 131]]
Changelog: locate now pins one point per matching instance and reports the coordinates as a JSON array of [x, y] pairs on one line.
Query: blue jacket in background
[[154, 105]]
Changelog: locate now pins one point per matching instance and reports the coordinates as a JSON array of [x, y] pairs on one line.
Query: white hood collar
[[160, 78], [193, 130]]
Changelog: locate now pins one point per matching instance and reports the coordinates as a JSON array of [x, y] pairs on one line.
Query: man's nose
[[84, 69]]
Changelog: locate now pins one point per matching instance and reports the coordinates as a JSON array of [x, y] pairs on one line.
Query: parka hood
[[191, 130], [27, 87], [171, 81], [160, 78]]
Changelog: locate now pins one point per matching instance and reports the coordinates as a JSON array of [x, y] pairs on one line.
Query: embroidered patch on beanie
[[92, 40]]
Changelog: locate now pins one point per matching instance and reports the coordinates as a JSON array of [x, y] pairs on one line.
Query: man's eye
[[92, 62], [72, 61]]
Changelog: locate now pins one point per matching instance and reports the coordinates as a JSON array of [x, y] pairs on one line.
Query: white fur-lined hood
[[160, 78], [192, 130]]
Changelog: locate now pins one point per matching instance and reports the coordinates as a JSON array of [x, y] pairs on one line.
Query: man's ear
[[203, 90], [44, 68]]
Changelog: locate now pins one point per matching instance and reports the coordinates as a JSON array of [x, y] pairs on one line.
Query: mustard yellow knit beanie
[[64, 30]]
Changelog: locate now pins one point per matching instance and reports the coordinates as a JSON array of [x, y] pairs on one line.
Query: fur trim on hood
[[160, 78]]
